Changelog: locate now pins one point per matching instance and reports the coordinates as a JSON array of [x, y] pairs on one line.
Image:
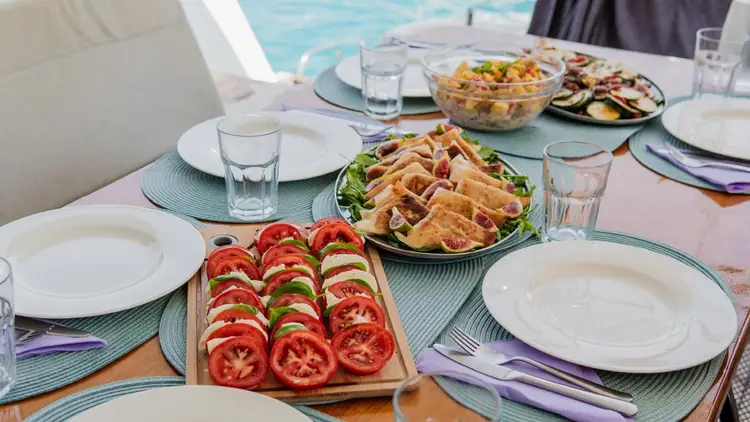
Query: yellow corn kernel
[[488, 77], [467, 74], [515, 78], [517, 90], [528, 78], [500, 108], [470, 104], [532, 89], [463, 66]]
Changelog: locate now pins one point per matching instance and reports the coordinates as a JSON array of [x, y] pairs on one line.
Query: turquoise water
[[287, 28]]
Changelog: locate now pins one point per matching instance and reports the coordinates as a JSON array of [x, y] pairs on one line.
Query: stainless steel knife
[[47, 327], [505, 374]]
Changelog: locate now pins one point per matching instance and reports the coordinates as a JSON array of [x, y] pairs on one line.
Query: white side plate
[[415, 85], [610, 306], [192, 404], [82, 261], [720, 126], [311, 146]]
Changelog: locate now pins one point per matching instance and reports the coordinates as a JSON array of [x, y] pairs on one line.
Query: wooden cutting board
[[344, 385]]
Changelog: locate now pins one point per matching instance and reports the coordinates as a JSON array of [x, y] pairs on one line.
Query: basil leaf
[[297, 287], [287, 330], [275, 313]]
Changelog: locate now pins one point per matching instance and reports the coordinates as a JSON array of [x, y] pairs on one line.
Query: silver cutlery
[[22, 337], [368, 131], [695, 162], [482, 351], [46, 327], [505, 374]]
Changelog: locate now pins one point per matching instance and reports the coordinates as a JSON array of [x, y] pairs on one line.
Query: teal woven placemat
[[530, 140], [330, 88], [172, 184], [173, 330], [660, 397]]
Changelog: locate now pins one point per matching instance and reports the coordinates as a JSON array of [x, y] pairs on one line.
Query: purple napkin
[[731, 181], [432, 360], [49, 344], [348, 117]]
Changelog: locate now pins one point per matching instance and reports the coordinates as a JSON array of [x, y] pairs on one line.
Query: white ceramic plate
[[91, 260], [192, 403], [415, 85], [311, 146], [720, 126], [610, 306]]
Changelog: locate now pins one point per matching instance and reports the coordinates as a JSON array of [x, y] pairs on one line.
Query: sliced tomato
[[302, 360], [234, 263], [338, 270], [355, 310], [240, 362], [235, 296], [336, 233], [236, 329], [232, 315], [224, 285], [285, 277], [363, 349], [275, 233], [308, 321], [292, 298], [347, 289], [277, 250], [291, 260], [326, 221], [225, 251], [342, 251]]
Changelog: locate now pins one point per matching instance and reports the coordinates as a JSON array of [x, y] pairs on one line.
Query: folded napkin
[[732, 181], [50, 344], [432, 360], [346, 116]]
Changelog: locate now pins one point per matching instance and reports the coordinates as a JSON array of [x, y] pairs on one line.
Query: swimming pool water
[[287, 28]]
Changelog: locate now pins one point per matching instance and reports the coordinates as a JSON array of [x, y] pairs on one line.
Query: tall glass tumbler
[[575, 177], [249, 145], [7, 333], [718, 58], [383, 65]]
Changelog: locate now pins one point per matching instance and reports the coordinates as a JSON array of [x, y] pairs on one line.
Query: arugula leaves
[[521, 222], [352, 194], [485, 68]]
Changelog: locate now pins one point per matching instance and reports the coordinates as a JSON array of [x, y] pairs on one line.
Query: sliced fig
[[493, 168], [398, 222], [387, 148], [372, 185], [442, 168], [513, 209], [454, 150], [374, 172], [458, 245], [438, 153], [483, 220], [442, 183], [510, 187]]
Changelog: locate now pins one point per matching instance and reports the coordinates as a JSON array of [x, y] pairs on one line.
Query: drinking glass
[[575, 176], [383, 65], [718, 58], [416, 398], [7, 333], [249, 146]]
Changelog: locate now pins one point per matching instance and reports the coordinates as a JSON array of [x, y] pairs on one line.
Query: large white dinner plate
[[311, 146], [610, 306], [91, 260], [192, 403], [415, 85], [720, 125]]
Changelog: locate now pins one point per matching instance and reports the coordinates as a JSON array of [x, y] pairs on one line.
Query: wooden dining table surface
[[713, 226]]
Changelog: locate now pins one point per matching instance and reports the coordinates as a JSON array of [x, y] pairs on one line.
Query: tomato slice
[[234, 263], [347, 289], [285, 277], [338, 270], [342, 251], [308, 321], [326, 221], [235, 296], [363, 349], [232, 315], [223, 252], [275, 233], [292, 298], [277, 250], [224, 285], [355, 310], [338, 233], [234, 330], [291, 260], [240, 362], [302, 360]]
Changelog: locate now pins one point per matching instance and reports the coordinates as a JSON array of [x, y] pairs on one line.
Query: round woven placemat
[[173, 330], [172, 184], [660, 397], [330, 88]]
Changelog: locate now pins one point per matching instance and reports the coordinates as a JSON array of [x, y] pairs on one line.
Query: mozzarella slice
[[258, 285], [305, 309], [311, 237], [333, 261], [213, 313], [216, 325], [292, 324], [279, 268], [211, 345], [352, 275], [265, 300], [273, 270], [305, 280]]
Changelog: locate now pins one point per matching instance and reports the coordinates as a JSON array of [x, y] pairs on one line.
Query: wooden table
[[710, 225]]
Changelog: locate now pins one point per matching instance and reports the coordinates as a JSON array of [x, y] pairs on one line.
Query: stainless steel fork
[[368, 131], [482, 351], [25, 337]]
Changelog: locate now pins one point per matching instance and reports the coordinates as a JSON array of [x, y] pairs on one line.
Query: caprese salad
[[301, 308]]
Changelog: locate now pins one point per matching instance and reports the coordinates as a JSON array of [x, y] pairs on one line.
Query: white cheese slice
[[293, 324], [305, 309], [333, 261], [305, 280], [213, 313], [279, 268], [273, 270], [218, 324], [211, 345], [265, 300], [258, 285], [352, 275], [311, 237]]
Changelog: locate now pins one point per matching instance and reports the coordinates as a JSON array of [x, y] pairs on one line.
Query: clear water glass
[[420, 399], [718, 59], [7, 333], [383, 66], [249, 146], [575, 177]]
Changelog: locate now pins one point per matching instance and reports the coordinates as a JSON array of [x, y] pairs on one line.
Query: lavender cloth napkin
[[50, 344], [731, 181], [431, 360], [349, 117]]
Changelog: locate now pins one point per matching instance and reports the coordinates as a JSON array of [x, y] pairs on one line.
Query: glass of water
[[7, 333], [383, 65], [718, 58], [575, 176], [249, 146]]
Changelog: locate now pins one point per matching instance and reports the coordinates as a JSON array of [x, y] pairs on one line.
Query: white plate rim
[[192, 243], [342, 72], [532, 341]]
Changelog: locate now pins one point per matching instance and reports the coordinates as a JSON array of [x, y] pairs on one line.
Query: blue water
[[287, 28]]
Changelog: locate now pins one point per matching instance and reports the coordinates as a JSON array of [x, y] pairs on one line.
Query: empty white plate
[[610, 306], [192, 403], [82, 261], [717, 125], [311, 146], [415, 85]]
